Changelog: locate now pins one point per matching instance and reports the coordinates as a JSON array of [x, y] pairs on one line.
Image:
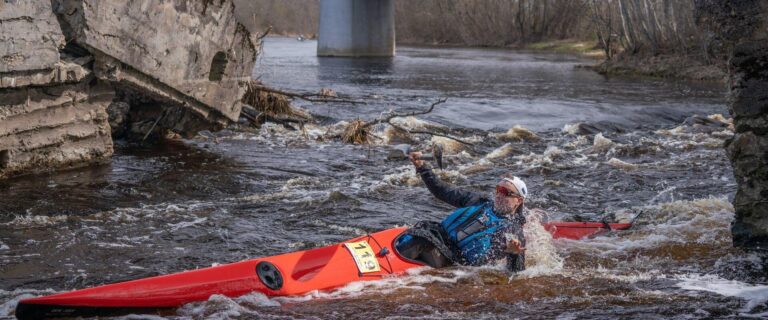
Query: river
[[588, 146]]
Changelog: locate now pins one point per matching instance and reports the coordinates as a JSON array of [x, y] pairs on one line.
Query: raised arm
[[447, 193]]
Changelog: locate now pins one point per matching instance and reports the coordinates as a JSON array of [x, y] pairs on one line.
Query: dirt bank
[[663, 66]]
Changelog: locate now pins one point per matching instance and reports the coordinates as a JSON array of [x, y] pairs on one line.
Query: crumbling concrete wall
[[68, 67], [30, 36], [741, 26], [52, 113], [191, 52]]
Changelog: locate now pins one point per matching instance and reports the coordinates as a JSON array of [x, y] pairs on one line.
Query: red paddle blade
[[578, 230]]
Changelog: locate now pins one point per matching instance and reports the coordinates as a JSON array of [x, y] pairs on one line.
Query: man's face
[[506, 198]]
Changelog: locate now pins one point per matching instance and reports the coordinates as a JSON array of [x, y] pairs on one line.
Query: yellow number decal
[[364, 257]]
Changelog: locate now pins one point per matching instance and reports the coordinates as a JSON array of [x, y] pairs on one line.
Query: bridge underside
[[355, 28]]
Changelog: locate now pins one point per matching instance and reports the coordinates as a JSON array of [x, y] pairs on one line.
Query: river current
[[589, 147]]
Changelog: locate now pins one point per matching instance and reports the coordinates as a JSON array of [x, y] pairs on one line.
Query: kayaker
[[481, 230]]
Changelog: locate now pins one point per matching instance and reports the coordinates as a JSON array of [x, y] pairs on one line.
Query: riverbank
[[670, 66], [663, 66], [583, 48]]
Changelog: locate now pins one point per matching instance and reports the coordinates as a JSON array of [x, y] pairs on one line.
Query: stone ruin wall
[[75, 72], [741, 26]]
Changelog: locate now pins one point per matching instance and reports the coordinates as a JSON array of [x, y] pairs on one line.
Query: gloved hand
[[515, 246], [415, 158]]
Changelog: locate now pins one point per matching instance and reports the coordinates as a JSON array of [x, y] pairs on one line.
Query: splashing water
[[541, 256]]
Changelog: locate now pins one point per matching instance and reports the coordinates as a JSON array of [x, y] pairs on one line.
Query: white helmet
[[519, 184]]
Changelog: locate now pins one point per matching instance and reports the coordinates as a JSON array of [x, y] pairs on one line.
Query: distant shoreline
[[665, 66]]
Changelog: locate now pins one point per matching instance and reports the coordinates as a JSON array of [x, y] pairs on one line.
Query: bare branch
[[429, 133], [311, 97], [262, 36], [393, 115]]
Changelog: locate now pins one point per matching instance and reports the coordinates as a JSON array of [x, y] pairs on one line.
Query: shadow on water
[[369, 72], [136, 174]]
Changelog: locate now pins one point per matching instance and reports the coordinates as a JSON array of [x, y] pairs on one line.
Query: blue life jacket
[[471, 230]]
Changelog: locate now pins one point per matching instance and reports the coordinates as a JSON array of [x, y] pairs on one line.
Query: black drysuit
[[432, 244]]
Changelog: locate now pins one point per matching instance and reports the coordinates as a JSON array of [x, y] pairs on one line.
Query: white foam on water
[[413, 279], [31, 220], [406, 175], [616, 163], [140, 317], [580, 141], [12, 298], [414, 123], [632, 277], [601, 144], [518, 133], [217, 307], [222, 307], [662, 193], [500, 152], [567, 315], [300, 182], [260, 197], [532, 160], [353, 230], [112, 245], [571, 129], [185, 224], [541, 256], [720, 117], [155, 211], [450, 146], [749, 261], [703, 221], [755, 295]]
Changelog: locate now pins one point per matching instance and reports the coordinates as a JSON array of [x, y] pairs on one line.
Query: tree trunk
[[626, 23]]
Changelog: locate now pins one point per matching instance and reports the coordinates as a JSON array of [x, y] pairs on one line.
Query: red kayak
[[368, 257]]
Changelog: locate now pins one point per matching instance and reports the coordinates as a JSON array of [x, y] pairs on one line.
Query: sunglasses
[[507, 193]]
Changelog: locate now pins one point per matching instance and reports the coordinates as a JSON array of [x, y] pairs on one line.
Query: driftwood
[[392, 115], [286, 120], [264, 104], [310, 97]]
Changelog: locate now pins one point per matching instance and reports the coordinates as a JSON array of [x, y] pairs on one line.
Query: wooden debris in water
[[356, 132], [263, 105], [328, 92], [273, 104]]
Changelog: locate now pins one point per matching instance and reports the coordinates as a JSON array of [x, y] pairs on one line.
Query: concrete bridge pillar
[[356, 28]]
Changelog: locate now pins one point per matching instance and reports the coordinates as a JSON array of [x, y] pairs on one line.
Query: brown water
[[194, 203]]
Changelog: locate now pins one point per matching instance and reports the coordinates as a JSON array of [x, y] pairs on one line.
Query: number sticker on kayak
[[364, 257]]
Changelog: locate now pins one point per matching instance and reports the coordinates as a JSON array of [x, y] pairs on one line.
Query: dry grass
[[357, 133], [272, 104]]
